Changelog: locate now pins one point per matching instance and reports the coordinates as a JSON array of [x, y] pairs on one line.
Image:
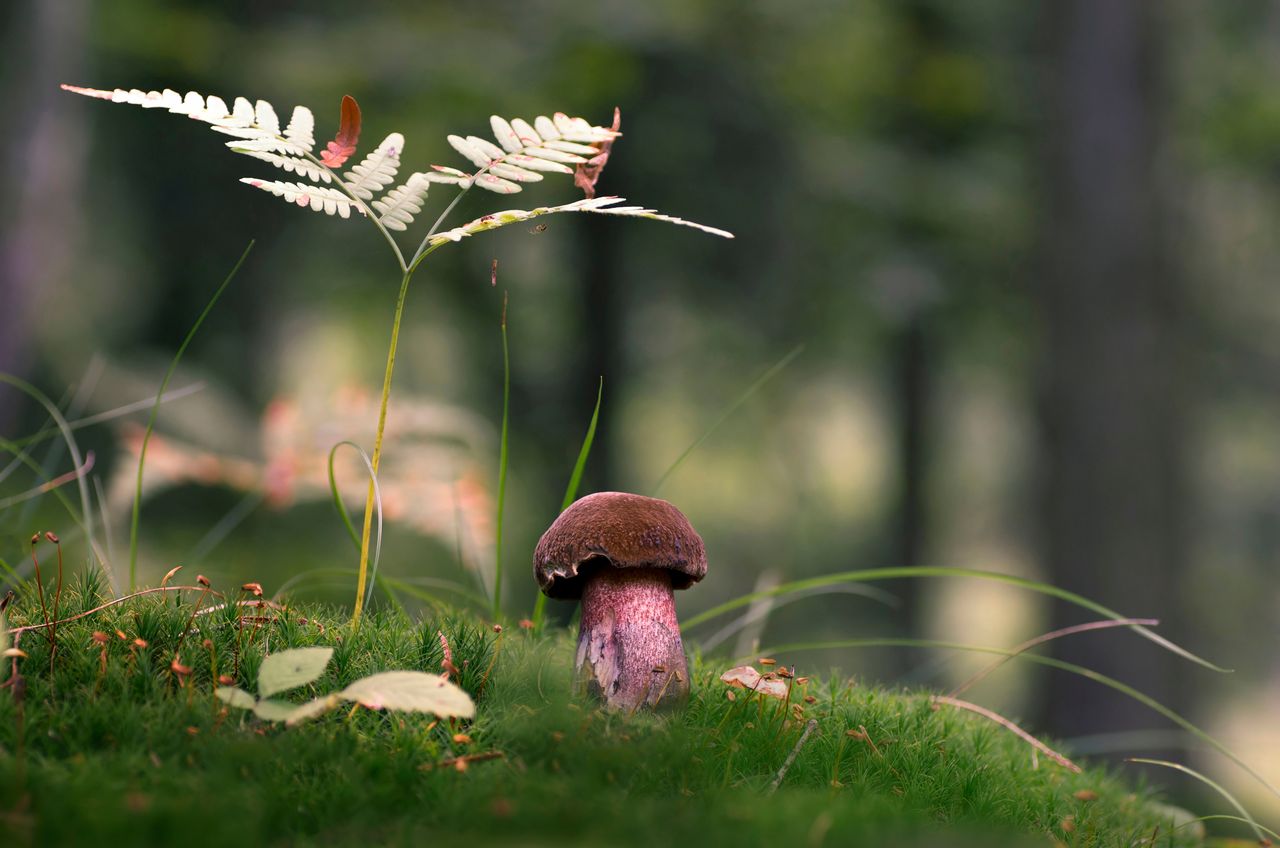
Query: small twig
[[109, 604], [782, 772], [57, 598], [463, 761], [1008, 725], [44, 610]]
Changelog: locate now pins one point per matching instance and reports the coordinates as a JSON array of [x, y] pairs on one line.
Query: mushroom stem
[[629, 649]]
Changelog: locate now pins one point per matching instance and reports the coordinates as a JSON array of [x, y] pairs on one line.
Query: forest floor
[[114, 747]]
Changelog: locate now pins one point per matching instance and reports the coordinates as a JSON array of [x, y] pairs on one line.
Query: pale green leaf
[[270, 709], [294, 667], [4, 634], [235, 696], [411, 691], [312, 709]]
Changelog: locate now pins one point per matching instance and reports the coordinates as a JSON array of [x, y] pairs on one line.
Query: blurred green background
[[1029, 251]]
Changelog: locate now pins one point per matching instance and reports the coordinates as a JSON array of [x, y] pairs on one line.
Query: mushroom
[[624, 555]]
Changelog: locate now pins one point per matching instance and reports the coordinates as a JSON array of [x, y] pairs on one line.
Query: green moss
[[128, 756]]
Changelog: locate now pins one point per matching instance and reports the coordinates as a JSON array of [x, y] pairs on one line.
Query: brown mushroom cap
[[621, 530]]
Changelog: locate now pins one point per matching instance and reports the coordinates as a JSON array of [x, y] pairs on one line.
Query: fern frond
[[525, 151], [397, 208], [378, 170], [330, 201], [597, 205], [292, 164]]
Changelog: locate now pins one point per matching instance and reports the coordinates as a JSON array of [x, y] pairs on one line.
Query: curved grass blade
[[571, 490], [50, 485], [1257, 829], [728, 412], [981, 675], [575, 479], [1275, 837], [872, 574], [502, 464], [111, 414], [230, 520], [337, 498], [1062, 665], [346, 518], [155, 412], [72, 447], [23, 457], [878, 595]]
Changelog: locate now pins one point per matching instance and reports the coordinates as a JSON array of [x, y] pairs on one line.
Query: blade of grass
[[872, 574], [502, 464], [575, 479], [74, 409], [1275, 837], [728, 412], [86, 520], [1062, 665], [1257, 829], [21, 456], [571, 490], [227, 523], [337, 498], [1049, 637], [46, 487], [752, 615], [112, 414], [155, 411]]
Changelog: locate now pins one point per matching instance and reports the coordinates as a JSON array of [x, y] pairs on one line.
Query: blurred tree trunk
[[1111, 405], [44, 164]]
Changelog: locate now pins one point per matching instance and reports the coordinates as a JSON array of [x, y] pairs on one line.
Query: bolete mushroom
[[624, 555]]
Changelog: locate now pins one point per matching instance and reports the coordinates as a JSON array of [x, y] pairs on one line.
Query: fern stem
[[502, 465], [368, 213], [362, 576]]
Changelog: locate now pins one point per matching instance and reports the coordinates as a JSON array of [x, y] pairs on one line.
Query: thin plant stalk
[[155, 411], [376, 458], [502, 464]]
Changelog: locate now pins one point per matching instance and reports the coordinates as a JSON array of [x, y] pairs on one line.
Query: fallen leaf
[[746, 677]]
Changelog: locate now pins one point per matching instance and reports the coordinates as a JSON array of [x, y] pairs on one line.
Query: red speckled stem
[[629, 649]]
